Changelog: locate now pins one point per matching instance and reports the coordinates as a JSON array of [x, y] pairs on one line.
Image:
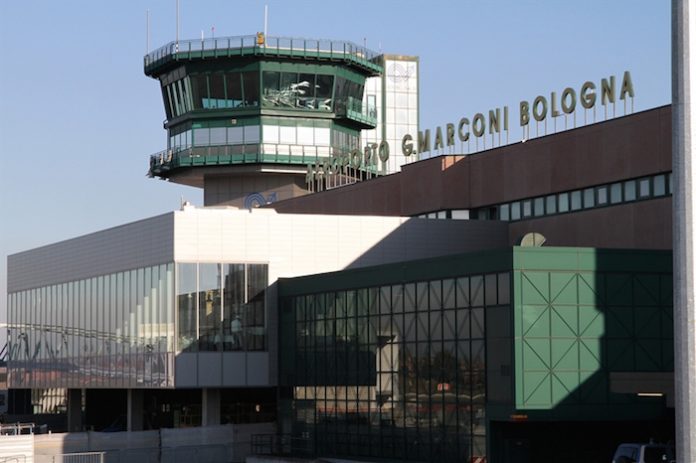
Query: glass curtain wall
[[394, 371], [114, 330], [221, 306]]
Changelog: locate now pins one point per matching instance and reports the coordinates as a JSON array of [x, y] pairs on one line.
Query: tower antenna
[[177, 25], [147, 31], [265, 20]]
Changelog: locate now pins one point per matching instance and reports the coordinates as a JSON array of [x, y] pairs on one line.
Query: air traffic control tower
[[245, 116]]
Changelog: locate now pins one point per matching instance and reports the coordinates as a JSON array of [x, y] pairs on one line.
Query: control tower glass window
[[293, 90], [233, 81], [324, 88], [251, 88], [216, 98], [200, 90]]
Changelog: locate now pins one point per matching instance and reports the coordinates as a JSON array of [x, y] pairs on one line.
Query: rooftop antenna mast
[[177, 25], [265, 20], [147, 31]]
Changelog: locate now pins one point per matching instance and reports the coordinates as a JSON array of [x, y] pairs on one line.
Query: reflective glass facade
[[221, 307], [393, 371], [120, 330], [113, 330]]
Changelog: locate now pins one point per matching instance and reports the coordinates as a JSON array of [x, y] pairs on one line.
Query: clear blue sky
[[78, 118]]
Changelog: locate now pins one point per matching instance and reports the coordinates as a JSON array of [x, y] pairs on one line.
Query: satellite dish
[[533, 239]]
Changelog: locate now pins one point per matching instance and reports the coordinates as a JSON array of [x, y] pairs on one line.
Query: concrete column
[[210, 402], [135, 410], [74, 410], [684, 207]]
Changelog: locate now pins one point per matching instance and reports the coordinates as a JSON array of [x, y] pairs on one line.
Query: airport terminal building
[[505, 305]]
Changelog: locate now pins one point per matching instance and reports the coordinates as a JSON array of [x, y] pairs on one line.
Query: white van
[[644, 453]]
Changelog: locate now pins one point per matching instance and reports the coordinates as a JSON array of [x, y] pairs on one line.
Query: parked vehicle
[[644, 453]]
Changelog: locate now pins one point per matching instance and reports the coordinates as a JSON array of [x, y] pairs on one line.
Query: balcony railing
[[164, 161], [272, 46], [354, 109]]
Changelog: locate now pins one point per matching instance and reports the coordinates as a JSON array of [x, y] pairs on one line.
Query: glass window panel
[[515, 211], [200, 90], [669, 181], [305, 135], [588, 198], [271, 85], [602, 195], [615, 193], [233, 83], [288, 135], [551, 204], [322, 136], [209, 300], [235, 135], [324, 91], [505, 212], [527, 208], [251, 88], [186, 302], [538, 207], [174, 95], [306, 88], [216, 98], [234, 298], [563, 202], [218, 136], [503, 288], [290, 88], [271, 134], [252, 134], [186, 87], [491, 289], [167, 98], [576, 200], [255, 316], [630, 190], [644, 187], [201, 137], [476, 290], [659, 185]]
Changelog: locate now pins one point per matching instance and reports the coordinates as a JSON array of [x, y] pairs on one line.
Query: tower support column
[[684, 222]]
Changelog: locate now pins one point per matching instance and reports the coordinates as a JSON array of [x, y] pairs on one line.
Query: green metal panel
[[580, 314]]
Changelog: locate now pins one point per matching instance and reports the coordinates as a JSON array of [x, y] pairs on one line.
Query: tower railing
[[220, 155], [292, 47]]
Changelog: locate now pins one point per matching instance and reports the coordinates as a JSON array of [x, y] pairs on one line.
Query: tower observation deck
[[246, 115]]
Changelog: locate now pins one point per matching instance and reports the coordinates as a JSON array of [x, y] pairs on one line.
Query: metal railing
[[14, 459], [165, 160], [80, 457], [273, 46], [15, 429], [353, 108], [279, 444]]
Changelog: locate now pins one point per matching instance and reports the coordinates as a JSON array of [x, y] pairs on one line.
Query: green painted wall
[[580, 314]]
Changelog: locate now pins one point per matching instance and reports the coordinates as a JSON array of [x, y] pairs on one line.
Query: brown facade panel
[[621, 148], [639, 225], [618, 149]]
